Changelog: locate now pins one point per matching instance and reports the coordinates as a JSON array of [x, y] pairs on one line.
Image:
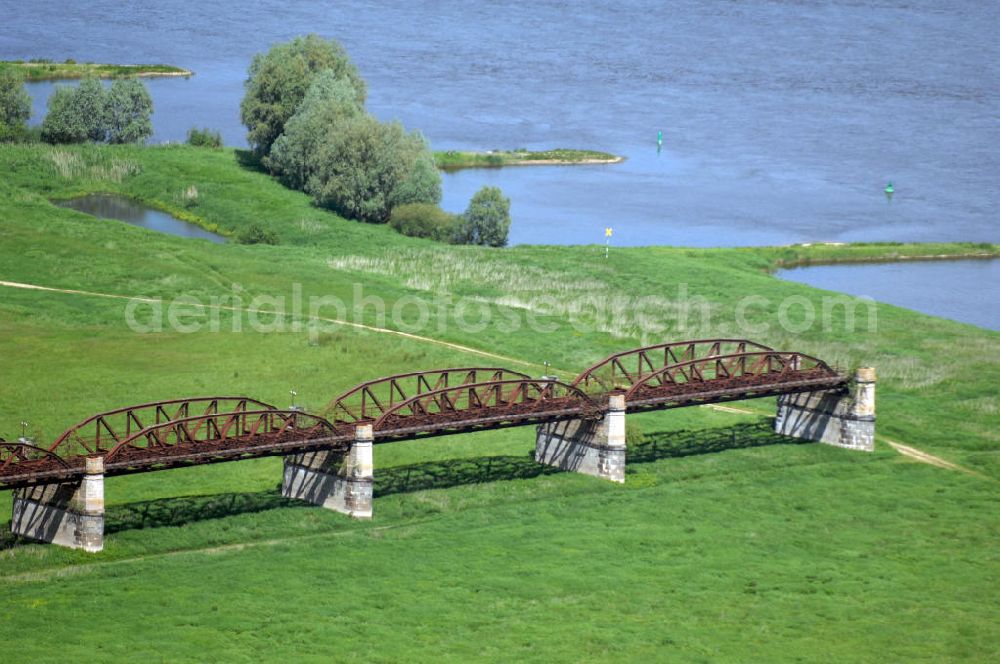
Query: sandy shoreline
[[562, 162]]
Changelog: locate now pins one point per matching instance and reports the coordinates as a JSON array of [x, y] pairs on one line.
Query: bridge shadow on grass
[[691, 442], [181, 511], [457, 472], [658, 445], [176, 512]]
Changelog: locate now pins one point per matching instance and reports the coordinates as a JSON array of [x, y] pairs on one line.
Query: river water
[[782, 121], [960, 290]]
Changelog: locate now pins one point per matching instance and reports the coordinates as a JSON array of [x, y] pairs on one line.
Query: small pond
[[107, 206], [966, 290]]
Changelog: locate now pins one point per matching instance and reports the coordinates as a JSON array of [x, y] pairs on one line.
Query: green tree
[[15, 104], [63, 123], [127, 110], [487, 219], [278, 81], [423, 185], [329, 103], [357, 169], [91, 102], [76, 114]]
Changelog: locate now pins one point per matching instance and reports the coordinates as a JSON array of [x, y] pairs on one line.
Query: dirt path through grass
[[924, 457], [323, 319], [85, 568]]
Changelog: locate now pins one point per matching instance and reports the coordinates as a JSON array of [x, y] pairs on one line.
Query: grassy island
[[726, 543], [454, 159], [47, 70], [838, 253]]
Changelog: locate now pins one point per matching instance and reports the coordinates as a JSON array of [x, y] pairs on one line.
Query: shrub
[[257, 234], [487, 219], [20, 134], [190, 197], [278, 81], [424, 220], [204, 138]]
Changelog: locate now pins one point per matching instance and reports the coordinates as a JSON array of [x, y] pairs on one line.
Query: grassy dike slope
[[727, 543]]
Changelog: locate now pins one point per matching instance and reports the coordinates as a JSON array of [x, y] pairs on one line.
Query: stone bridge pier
[[594, 448], [69, 514], [338, 481], [834, 417]]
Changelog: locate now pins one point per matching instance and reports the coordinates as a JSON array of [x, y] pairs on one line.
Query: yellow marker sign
[[607, 232]]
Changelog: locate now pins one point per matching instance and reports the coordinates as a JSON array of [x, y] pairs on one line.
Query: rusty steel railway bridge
[[408, 406]]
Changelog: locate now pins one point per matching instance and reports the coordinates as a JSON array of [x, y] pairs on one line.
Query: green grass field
[[727, 543]]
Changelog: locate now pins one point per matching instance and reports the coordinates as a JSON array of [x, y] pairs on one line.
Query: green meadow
[[726, 543]]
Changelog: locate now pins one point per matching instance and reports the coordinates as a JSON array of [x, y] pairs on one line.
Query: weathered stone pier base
[[70, 514], [337, 481], [590, 447], [832, 417]]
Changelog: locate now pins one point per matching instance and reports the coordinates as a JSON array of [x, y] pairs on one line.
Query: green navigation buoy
[[889, 189], [659, 139]]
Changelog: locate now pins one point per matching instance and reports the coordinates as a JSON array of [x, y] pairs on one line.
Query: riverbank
[[46, 70], [453, 160]]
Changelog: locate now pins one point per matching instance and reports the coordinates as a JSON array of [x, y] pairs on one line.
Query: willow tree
[[15, 104], [279, 79], [127, 109]]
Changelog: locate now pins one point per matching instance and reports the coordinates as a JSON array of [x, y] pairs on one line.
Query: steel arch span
[[370, 400], [103, 431], [488, 404], [622, 370], [732, 377], [223, 437]]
